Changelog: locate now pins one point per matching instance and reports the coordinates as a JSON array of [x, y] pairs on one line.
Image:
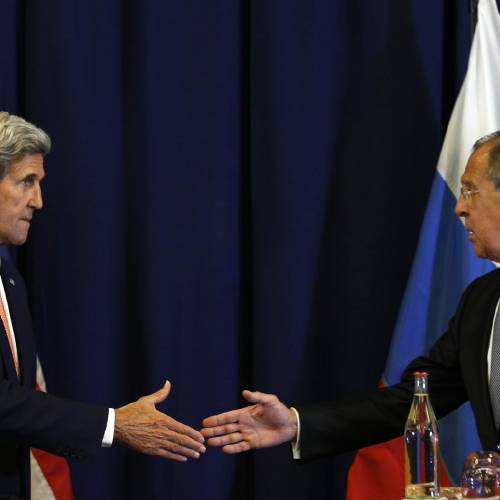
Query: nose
[[461, 207], [36, 200]]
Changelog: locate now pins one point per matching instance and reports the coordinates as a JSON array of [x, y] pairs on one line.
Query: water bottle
[[421, 445]]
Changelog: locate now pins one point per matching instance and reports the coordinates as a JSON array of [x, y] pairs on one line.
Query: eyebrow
[[34, 175]]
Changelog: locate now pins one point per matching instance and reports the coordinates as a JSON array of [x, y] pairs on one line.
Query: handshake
[[266, 422]]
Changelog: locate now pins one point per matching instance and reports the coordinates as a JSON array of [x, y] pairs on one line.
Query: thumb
[[161, 394], [257, 397]]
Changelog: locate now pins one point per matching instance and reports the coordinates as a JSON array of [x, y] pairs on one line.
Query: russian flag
[[444, 265]]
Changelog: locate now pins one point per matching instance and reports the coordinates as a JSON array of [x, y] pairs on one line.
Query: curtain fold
[[233, 199]]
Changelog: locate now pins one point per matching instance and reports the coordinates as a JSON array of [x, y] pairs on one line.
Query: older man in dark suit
[[464, 364], [33, 419]]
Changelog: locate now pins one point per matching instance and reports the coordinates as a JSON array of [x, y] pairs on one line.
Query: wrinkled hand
[[143, 428], [266, 423]]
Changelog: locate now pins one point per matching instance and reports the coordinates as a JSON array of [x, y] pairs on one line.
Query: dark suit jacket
[[457, 367], [33, 419]]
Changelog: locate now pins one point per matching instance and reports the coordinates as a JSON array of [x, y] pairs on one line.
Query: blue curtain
[[233, 200]]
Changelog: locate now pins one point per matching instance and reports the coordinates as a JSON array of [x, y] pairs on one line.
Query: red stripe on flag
[[378, 472], [56, 472]]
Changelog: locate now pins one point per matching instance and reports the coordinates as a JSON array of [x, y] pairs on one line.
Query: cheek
[[488, 232], [490, 221]]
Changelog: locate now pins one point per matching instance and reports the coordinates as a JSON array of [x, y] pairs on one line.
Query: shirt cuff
[[107, 439], [296, 441]]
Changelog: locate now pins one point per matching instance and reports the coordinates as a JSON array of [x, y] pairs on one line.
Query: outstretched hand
[[143, 428], [268, 422]]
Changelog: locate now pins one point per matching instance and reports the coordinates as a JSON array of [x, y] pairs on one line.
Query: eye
[[29, 180]]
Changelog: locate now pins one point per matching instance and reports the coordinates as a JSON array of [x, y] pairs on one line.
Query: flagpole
[[473, 17]]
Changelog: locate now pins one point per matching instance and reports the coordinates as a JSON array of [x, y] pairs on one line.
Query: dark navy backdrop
[[233, 200]]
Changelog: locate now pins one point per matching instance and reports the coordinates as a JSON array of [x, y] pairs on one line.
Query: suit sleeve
[[336, 427], [40, 420], [37, 419]]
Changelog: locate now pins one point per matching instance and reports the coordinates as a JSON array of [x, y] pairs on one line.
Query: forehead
[[31, 164], [475, 169]]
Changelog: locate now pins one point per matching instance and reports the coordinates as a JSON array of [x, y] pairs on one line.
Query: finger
[[160, 395], [183, 429], [184, 441], [259, 397], [227, 417], [184, 451], [170, 436], [226, 439], [236, 448], [163, 393], [221, 429], [171, 452], [169, 455], [194, 440]]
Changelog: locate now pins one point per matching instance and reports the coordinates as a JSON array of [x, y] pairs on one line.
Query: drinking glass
[[481, 475]]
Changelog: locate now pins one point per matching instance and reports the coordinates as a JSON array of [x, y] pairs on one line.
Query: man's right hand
[[268, 422], [143, 428]]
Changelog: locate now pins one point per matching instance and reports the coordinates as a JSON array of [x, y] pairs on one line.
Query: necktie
[[495, 371], [10, 337]]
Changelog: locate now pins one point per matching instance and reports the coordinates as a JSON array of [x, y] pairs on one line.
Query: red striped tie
[[10, 337]]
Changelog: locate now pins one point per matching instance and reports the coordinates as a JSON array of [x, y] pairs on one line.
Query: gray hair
[[19, 138], [493, 167]]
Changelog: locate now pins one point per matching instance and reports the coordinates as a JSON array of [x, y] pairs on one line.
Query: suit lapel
[[19, 316], [8, 360]]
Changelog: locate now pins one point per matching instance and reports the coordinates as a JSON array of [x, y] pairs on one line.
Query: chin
[[13, 237], [494, 258], [17, 240], [478, 250], [481, 253]]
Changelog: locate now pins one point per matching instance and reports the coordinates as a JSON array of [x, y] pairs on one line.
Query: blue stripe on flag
[[457, 438]]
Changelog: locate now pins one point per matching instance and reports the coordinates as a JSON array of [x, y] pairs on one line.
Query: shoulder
[[7, 267], [485, 287], [489, 279], [10, 274]]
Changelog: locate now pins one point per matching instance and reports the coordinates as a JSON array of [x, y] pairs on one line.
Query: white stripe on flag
[[477, 110], [40, 488]]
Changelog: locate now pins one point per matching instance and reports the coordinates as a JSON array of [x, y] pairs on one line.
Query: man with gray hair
[[463, 365], [33, 419]]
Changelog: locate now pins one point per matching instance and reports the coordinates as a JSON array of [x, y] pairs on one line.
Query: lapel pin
[[12, 282]]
